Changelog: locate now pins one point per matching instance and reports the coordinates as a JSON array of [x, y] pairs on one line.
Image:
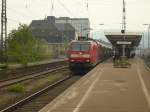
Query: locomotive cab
[[79, 52], [83, 54]]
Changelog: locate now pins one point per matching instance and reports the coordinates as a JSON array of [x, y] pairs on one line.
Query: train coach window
[[80, 46]]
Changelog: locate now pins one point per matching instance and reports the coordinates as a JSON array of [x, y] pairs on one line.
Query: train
[[84, 54]]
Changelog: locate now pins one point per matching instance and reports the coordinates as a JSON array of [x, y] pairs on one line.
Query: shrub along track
[[38, 100]]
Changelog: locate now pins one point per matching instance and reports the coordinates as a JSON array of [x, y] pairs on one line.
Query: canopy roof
[[133, 37]]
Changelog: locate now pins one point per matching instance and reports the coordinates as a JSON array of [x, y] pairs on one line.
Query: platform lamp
[[102, 24], [148, 33]]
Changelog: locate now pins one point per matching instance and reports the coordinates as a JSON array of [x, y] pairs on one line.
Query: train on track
[[84, 54]]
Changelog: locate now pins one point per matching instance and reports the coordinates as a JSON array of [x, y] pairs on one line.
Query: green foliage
[[66, 45], [17, 88], [122, 62], [4, 66], [23, 47]]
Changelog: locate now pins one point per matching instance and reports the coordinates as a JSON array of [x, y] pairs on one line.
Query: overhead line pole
[[149, 36], [87, 5], [52, 8], [3, 43], [124, 17], [123, 28]]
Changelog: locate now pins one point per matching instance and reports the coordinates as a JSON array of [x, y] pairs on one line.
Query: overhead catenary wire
[[43, 6], [20, 13], [87, 6], [87, 9], [124, 17], [26, 5], [52, 7], [62, 4], [16, 21], [28, 16]]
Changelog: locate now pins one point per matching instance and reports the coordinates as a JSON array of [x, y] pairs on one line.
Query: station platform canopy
[[132, 38]]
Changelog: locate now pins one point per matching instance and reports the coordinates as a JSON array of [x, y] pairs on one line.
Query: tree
[[23, 47]]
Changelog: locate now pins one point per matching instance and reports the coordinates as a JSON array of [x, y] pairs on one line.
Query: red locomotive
[[86, 54]]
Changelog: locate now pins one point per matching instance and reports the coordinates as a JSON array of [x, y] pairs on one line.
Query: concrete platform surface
[[107, 89]]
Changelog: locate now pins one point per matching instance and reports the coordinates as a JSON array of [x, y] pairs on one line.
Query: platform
[[107, 89]]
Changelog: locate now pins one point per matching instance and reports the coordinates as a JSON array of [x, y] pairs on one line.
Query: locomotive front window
[[85, 47], [75, 47], [80, 46]]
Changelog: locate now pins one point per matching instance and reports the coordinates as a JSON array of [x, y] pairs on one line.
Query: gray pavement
[[107, 89]]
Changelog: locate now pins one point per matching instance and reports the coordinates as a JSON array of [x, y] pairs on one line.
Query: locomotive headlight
[[72, 60], [87, 60], [86, 56]]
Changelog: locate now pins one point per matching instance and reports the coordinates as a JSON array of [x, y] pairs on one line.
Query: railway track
[[10, 74], [38, 100], [9, 82]]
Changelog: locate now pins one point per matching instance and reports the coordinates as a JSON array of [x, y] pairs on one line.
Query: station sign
[[123, 42]]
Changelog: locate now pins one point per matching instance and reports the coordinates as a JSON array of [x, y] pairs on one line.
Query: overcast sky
[[107, 12]]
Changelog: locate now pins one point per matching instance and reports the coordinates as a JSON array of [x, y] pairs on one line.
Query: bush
[[122, 62], [23, 47], [17, 88], [3, 66]]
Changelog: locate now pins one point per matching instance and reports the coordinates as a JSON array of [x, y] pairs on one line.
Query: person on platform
[[116, 56]]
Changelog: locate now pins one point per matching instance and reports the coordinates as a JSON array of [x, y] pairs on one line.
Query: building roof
[[67, 18], [79, 19], [42, 24], [133, 37]]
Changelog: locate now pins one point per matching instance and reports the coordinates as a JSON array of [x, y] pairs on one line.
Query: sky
[[107, 12]]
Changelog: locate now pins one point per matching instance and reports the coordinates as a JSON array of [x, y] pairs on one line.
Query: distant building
[[45, 29], [58, 31], [81, 25], [67, 30], [52, 32]]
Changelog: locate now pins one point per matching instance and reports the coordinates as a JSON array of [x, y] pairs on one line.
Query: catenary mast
[[3, 38]]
